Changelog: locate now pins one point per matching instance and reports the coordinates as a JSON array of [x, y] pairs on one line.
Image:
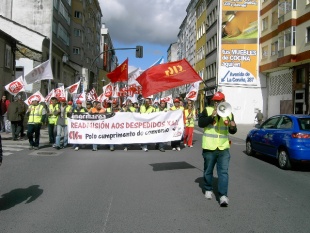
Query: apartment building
[[285, 54], [200, 64], [74, 27]]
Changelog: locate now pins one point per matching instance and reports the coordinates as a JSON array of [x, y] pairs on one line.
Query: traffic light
[[139, 51]]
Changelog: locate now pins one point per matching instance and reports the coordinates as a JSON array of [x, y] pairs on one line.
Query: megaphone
[[223, 109]]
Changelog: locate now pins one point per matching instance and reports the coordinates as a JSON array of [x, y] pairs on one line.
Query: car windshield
[[304, 123]]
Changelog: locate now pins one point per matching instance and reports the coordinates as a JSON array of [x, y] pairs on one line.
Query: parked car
[[285, 137]]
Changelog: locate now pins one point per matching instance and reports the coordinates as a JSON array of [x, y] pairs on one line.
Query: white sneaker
[[125, 149], [145, 149], [208, 195], [76, 148], [191, 146], [224, 201], [185, 145], [174, 148], [178, 148]]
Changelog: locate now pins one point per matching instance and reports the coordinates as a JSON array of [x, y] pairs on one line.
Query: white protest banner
[[125, 128], [41, 72], [16, 86]]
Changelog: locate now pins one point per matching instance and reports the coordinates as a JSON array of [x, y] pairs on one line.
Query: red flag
[[120, 73], [166, 76]]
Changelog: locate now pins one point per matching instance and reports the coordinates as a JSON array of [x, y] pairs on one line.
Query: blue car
[[285, 137]]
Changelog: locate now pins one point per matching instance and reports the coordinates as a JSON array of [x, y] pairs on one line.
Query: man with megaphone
[[217, 122]]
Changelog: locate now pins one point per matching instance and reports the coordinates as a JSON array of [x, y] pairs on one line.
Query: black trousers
[[15, 128], [34, 129]]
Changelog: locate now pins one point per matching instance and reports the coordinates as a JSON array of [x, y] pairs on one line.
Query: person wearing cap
[[52, 113], [145, 109], [97, 109], [113, 108], [78, 109], [161, 108], [189, 123], [14, 115], [62, 123], [89, 107], [176, 145], [35, 111], [215, 147]]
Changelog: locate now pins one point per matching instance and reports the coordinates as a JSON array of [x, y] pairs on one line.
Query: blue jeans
[[221, 159], [61, 128]]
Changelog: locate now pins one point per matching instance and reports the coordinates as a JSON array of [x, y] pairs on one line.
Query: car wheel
[[284, 160], [249, 149]]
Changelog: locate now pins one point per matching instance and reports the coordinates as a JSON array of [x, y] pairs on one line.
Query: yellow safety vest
[[191, 122], [216, 135], [149, 110], [81, 110], [35, 115], [164, 110], [173, 108], [52, 118]]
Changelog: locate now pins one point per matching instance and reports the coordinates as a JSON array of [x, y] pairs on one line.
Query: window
[[308, 34], [78, 14], [300, 76], [8, 56], [287, 38], [265, 23], [55, 4], [64, 12], [63, 34], [265, 52], [54, 27], [274, 48], [77, 32], [76, 50]]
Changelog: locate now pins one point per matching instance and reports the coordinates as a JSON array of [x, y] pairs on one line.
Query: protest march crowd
[[59, 112]]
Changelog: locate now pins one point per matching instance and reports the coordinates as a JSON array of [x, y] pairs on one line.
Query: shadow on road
[[296, 166], [17, 196], [171, 166], [201, 183]]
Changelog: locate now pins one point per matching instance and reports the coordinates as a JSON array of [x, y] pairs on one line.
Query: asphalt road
[[50, 191]]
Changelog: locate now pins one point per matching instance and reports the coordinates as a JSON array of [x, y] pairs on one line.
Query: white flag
[[49, 96], [132, 76], [193, 91], [108, 90], [116, 91], [41, 72], [59, 92], [168, 99], [73, 88], [16, 86], [101, 98], [37, 95]]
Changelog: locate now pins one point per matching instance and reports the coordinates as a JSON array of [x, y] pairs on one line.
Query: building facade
[[285, 54]]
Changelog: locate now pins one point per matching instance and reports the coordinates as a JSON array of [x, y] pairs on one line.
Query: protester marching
[[137, 112]]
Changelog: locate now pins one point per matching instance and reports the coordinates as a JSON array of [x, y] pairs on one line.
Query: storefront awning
[[29, 42]]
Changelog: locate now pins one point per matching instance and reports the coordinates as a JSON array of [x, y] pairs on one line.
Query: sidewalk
[[242, 132]]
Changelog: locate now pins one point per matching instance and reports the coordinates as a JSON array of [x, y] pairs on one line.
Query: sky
[[153, 24]]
